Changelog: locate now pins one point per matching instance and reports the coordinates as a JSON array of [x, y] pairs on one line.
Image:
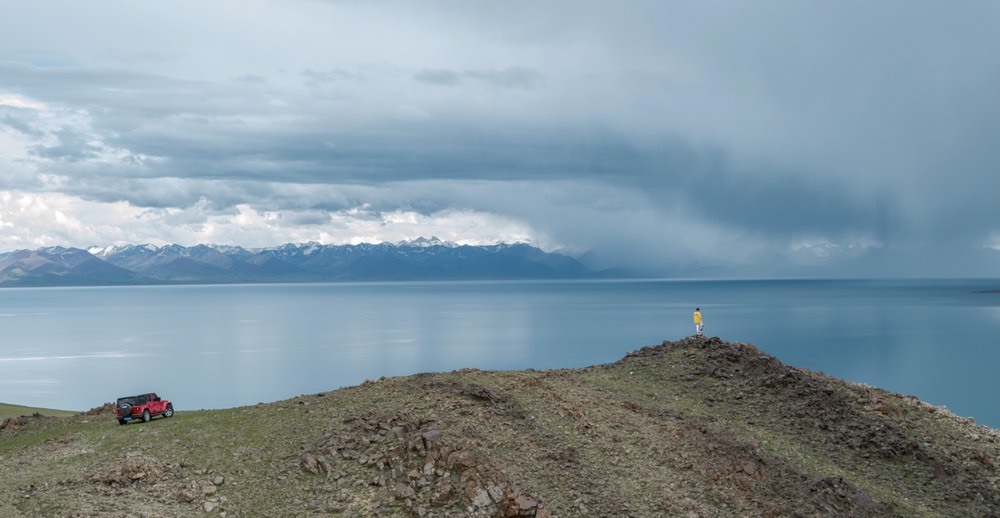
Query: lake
[[234, 345]]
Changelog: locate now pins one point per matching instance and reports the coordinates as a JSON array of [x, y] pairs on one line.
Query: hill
[[697, 427], [18, 410]]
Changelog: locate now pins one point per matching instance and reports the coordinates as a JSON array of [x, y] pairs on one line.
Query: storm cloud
[[667, 137]]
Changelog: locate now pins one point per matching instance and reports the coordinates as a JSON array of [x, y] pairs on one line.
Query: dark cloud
[[311, 217], [663, 134]]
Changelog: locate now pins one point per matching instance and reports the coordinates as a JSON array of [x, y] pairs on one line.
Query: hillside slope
[[18, 410], [697, 427]]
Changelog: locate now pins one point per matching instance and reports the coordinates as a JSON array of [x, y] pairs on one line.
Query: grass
[[8, 410]]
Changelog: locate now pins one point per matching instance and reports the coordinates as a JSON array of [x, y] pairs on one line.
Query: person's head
[[697, 309]]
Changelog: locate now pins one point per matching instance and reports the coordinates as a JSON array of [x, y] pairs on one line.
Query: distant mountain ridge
[[420, 259]]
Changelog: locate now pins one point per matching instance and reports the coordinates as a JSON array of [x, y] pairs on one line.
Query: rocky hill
[[697, 427]]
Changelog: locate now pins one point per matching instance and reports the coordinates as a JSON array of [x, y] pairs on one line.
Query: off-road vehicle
[[143, 406]]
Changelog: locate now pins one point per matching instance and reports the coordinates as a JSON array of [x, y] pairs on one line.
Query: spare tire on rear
[[126, 409]]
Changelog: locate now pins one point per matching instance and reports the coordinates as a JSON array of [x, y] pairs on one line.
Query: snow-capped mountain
[[424, 242], [419, 259], [58, 266]]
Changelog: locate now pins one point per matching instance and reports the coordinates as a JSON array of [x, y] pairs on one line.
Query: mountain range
[[421, 259]]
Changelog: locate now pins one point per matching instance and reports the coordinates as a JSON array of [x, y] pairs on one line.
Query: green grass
[[7, 410]]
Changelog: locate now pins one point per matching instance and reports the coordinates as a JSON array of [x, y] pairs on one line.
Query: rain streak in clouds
[[672, 138]]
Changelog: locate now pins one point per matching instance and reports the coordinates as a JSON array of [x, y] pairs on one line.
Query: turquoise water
[[225, 346]]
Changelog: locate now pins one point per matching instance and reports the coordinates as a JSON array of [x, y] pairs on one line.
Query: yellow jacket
[[697, 317]]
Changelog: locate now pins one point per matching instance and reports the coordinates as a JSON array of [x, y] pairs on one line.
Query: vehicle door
[[155, 405]]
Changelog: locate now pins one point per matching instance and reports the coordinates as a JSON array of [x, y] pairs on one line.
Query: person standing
[[699, 326]]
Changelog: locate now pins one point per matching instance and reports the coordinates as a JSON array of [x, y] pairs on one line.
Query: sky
[[685, 139]]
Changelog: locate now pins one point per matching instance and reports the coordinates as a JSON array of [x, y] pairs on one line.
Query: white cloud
[[35, 220], [17, 101], [252, 228]]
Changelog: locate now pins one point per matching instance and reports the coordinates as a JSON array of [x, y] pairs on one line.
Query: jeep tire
[[122, 421], [146, 416], [169, 411], [126, 410]]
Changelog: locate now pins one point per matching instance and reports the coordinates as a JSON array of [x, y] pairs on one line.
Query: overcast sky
[[684, 138]]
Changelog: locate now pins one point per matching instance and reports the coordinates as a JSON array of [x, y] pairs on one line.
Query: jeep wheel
[[126, 410], [169, 412], [122, 421], [145, 416]]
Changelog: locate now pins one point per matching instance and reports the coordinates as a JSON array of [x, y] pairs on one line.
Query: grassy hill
[[697, 427], [18, 410]]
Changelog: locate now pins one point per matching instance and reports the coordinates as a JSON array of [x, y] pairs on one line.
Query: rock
[[430, 437], [480, 498], [219, 480], [496, 492], [444, 490], [309, 463], [404, 492], [525, 503], [349, 454], [460, 460], [11, 423], [209, 506]]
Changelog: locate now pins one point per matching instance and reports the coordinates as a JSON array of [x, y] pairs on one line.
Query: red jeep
[[144, 406]]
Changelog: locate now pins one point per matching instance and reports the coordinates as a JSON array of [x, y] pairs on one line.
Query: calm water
[[225, 346]]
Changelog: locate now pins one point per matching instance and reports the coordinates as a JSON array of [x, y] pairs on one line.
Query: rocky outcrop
[[173, 488], [106, 408], [844, 420], [11, 423], [14, 423], [135, 470], [422, 468]]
